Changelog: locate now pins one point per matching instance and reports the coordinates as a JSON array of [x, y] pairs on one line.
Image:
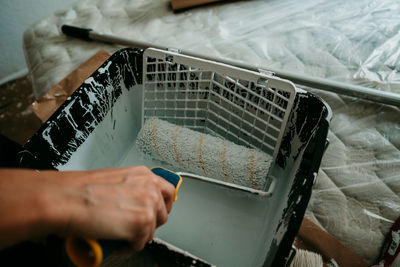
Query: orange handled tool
[[86, 252]]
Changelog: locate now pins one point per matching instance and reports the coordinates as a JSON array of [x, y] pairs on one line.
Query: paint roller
[[204, 154]]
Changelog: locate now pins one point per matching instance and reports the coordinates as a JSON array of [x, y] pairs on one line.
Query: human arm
[[117, 203]]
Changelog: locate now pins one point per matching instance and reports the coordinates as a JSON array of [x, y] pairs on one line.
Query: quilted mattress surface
[[357, 194]]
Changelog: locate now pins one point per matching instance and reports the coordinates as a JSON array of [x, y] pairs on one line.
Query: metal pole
[[374, 95]]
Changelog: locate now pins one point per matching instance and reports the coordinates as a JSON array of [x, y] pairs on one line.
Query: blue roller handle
[[170, 176], [85, 252]]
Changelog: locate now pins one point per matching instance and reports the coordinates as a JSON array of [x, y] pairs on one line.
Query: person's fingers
[[155, 201], [145, 232], [151, 232], [138, 201], [139, 174], [166, 188], [167, 192], [131, 175], [162, 212]]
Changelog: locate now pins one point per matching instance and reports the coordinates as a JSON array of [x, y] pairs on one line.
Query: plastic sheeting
[[357, 194]]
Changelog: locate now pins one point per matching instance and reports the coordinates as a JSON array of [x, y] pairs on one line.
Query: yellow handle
[[84, 252]]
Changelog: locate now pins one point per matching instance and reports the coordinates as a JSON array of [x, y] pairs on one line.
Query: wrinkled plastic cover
[[357, 195]]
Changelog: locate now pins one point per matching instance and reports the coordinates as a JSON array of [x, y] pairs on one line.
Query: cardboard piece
[[53, 99]]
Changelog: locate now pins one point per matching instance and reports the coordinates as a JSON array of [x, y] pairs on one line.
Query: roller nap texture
[[203, 154]]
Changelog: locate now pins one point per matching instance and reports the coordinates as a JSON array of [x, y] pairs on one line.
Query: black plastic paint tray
[[97, 127]]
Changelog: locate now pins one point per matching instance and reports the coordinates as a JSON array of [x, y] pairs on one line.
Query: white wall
[[15, 17]]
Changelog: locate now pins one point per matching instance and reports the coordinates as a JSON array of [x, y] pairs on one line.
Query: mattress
[[356, 197]]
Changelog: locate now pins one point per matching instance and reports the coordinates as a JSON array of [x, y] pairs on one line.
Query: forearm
[[26, 210], [122, 203]]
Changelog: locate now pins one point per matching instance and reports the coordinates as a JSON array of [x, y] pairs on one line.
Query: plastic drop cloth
[[357, 194]]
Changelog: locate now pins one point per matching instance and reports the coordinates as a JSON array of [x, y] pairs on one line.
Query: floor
[[17, 121]]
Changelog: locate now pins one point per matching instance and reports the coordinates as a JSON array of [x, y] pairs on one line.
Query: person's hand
[[119, 203], [126, 203]]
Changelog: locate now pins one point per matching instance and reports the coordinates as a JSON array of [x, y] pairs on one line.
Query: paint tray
[[225, 225]]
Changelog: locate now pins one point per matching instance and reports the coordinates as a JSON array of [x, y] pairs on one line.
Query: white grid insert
[[246, 111]]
